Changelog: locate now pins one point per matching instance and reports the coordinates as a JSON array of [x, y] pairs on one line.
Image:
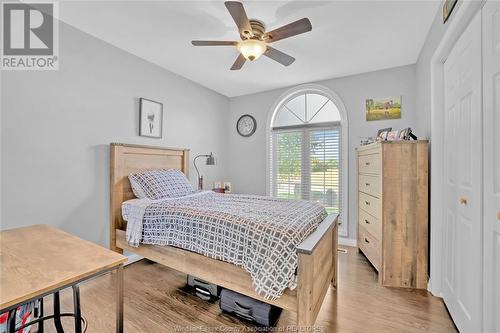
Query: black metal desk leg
[[40, 315], [78, 313], [119, 299], [57, 313], [11, 321]]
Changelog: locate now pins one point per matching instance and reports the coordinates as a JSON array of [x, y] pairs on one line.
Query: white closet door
[[462, 290], [491, 88]]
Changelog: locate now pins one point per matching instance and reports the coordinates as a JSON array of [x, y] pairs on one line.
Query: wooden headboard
[[126, 159]]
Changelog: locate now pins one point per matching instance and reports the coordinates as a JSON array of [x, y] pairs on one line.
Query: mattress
[[258, 233]]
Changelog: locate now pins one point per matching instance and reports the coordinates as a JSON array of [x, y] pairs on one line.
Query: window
[[305, 151]]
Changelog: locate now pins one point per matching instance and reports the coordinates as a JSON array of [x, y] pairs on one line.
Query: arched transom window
[[306, 151]]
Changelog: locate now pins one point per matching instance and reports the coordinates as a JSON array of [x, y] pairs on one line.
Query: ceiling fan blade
[[213, 43], [239, 15], [279, 56], [238, 63], [289, 30]]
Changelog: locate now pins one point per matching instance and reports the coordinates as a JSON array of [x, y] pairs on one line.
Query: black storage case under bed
[[204, 289], [248, 308]]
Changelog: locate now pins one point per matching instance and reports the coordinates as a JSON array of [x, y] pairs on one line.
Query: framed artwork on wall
[[383, 108], [448, 7], [150, 118]]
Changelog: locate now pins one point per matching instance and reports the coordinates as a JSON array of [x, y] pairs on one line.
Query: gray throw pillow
[[160, 184]]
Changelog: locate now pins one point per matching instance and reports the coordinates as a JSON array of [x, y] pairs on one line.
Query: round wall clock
[[246, 125]]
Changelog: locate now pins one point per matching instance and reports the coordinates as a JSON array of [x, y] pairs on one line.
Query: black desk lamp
[[210, 161]]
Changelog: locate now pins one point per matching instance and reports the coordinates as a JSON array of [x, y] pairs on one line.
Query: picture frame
[[217, 185], [385, 108], [404, 133], [150, 118], [227, 187], [383, 135], [448, 7], [382, 130], [393, 135]]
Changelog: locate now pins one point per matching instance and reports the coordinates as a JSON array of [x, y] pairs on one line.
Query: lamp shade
[[211, 159], [252, 48]]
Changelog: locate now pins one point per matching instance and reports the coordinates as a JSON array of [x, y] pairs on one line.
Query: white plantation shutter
[[288, 164], [324, 156], [305, 145]]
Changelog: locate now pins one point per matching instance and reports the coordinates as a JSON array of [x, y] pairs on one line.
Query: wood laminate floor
[[156, 300]]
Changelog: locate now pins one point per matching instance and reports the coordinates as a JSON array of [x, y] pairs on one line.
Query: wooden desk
[[39, 260]]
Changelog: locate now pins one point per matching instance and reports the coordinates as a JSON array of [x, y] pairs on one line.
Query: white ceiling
[[348, 37]]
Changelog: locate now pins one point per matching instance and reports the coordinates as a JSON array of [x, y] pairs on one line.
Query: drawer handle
[[367, 222], [367, 163], [367, 184], [203, 291], [244, 309], [367, 203], [367, 241]]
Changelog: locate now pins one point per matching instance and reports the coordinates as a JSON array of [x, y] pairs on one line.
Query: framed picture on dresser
[[392, 136], [404, 134], [382, 133], [150, 118]]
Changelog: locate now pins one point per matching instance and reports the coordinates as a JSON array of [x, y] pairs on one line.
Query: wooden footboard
[[218, 272], [317, 269]]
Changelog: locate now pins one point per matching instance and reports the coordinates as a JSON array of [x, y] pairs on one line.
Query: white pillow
[[159, 184]]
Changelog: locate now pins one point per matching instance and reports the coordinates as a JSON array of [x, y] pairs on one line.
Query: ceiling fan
[[254, 38]]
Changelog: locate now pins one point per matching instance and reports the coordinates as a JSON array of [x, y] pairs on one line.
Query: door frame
[[463, 16]]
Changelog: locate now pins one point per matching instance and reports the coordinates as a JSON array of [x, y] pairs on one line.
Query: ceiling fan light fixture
[[252, 49], [254, 38]]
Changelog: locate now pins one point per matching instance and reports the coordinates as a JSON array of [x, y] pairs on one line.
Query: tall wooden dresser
[[393, 211]]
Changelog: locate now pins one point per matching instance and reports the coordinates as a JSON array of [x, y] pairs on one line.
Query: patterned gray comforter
[[257, 233]]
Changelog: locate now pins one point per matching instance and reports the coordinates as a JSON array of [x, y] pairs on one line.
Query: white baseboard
[[132, 257], [347, 242]]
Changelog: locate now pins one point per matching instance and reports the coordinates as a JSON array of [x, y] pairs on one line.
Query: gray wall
[[56, 127], [248, 155], [423, 71]]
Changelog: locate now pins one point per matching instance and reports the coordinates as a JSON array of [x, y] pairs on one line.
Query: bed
[[317, 254]]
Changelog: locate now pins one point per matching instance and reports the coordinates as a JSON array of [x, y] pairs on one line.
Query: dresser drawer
[[369, 184], [369, 163], [372, 224], [370, 246], [373, 148], [370, 204]]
